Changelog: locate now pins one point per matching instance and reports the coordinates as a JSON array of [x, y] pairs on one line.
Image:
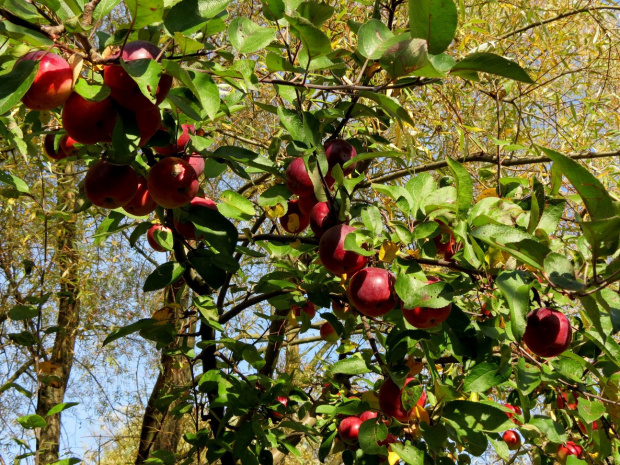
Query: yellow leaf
[[296, 245], [274, 212], [393, 457], [372, 399], [163, 314], [413, 253], [489, 192], [388, 251], [420, 414], [47, 368]]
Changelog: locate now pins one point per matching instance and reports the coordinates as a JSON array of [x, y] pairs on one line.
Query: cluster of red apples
[[171, 182]]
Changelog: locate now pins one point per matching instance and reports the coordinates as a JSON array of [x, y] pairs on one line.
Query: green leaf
[[590, 411], [218, 231], [434, 21], [24, 34], [464, 186], [492, 64], [517, 243], [207, 92], [145, 12], [93, 92], [14, 85], [485, 375], [32, 421], [234, 205], [292, 123], [405, 56], [23, 312], [164, 275], [597, 200], [60, 407], [313, 39], [316, 13], [146, 73], [247, 157], [350, 366], [248, 37], [371, 39], [188, 16], [552, 430], [69, 461], [104, 8], [560, 272], [477, 416], [408, 453], [278, 194], [202, 261], [108, 227], [371, 216], [129, 329], [24, 338], [370, 433], [414, 293], [390, 105], [273, 10], [326, 446], [528, 376], [515, 285]]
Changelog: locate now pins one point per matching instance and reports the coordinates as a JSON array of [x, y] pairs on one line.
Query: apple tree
[[374, 231]]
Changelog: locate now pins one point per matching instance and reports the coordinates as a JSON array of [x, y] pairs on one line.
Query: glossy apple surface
[[186, 228], [196, 161], [306, 203], [328, 333], [297, 178], [124, 90], [368, 415], [338, 152], [512, 439], [569, 448], [89, 122], [175, 148], [308, 308], [390, 400], [371, 291], [149, 122], [332, 253], [142, 203], [423, 317], [172, 182], [547, 332], [65, 146], [110, 186], [52, 84], [349, 429], [322, 217], [294, 221], [150, 236]]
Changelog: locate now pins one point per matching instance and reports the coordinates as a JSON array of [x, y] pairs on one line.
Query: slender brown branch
[[233, 312], [282, 238]]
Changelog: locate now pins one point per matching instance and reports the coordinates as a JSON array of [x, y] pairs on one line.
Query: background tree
[[469, 209]]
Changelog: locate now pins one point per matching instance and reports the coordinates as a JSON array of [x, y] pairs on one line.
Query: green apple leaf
[[492, 64], [15, 84], [248, 37], [434, 21]]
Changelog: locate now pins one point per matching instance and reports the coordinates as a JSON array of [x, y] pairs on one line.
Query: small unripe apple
[[371, 291], [328, 333], [172, 182], [52, 84], [349, 430], [150, 236], [110, 186], [512, 439], [338, 152], [547, 332], [89, 122], [294, 221], [142, 203], [186, 228], [175, 148], [333, 255], [570, 448]]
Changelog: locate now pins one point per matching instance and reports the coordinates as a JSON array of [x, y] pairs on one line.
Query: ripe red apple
[[149, 122], [110, 186], [89, 122], [172, 182], [371, 291], [512, 439], [124, 90], [570, 448], [294, 221], [515, 409], [332, 253], [547, 332], [349, 430], [390, 400], [177, 147], [297, 178], [338, 152], [65, 146], [368, 415], [308, 308], [284, 401], [150, 236], [142, 204], [389, 439], [306, 204], [322, 217], [197, 162], [562, 401], [341, 311], [424, 318], [186, 228], [52, 84], [328, 333]]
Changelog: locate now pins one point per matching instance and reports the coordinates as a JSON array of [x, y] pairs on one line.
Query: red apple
[[306, 203], [196, 161], [570, 448], [172, 182], [390, 400], [371, 291], [389, 439], [177, 147], [308, 308], [424, 318], [515, 409], [562, 401], [294, 221], [338, 152], [349, 430], [124, 90], [322, 217], [142, 204], [65, 146], [328, 333], [368, 415], [186, 228], [341, 311], [110, 186], [52, 84], [89, 122], [297, 178], [332, 253], [547, 332], [512, 439], [148, 121], [284, 401], [150, 236]]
